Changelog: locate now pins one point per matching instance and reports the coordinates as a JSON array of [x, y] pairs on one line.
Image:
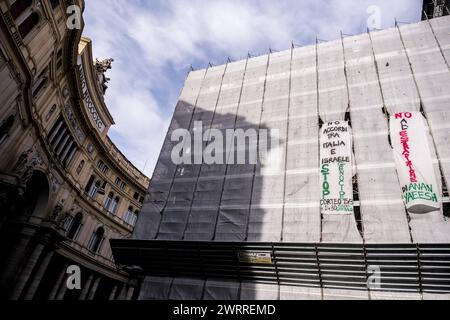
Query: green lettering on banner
[[419, 191], [326, 185]]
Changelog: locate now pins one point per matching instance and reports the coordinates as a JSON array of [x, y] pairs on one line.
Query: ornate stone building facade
[[65, 188]]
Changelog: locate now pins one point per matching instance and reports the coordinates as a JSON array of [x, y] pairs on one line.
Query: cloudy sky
[[154, 42]]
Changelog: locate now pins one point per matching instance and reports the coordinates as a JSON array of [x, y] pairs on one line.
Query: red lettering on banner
[[404, 139], [407, 115]]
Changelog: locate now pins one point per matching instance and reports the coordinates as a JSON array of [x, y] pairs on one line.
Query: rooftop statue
[[101, 66]]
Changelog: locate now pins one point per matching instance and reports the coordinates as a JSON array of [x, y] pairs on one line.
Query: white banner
[[413, 161], [336, 171]]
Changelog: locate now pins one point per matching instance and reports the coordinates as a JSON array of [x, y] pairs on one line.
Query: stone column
[[112, 296], [123, 292], [25, 275], [85, 290], [94, 289], [58, 282], [62, 290], [38, 276], [13, 260], [130, 293]]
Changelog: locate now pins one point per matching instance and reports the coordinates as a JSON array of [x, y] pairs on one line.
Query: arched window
[[136, 213], [36, 198], [94, 188], [96, 240], [18, 7], [28, 24], [108, 201], [130, 217], [115, 205], [127, 215], [74, 226]]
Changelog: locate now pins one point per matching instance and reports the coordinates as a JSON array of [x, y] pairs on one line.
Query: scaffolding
[[362, 79]]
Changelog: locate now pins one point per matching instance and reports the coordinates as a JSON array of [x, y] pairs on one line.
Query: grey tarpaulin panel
[[399, 68], [221, 290], [333, 104], [155, 200], [265, 220], [397, 80], [338, 294], [208, 189], [300, 293], [433, 81], [173, 224], [186, 289], [259, 291], [382, 210], [155, 288], [399, 91], [433, 296], [234, 209], [382, 295], [440, 27], [333, 98], [302, 212], [178, 209]]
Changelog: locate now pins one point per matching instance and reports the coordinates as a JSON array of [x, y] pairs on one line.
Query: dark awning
[[402, 267]]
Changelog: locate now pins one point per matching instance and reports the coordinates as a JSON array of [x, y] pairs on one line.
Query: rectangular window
[[93, 191], [102, 166], [40, 84], [68, 223], [62, 142], [115, 205], [130, 217], [107, 203], [77, 232]]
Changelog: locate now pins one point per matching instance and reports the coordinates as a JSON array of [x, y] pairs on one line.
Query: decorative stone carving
[[80, 167], [63, 219], [56, 212], [101, 67], [65, 92], [56, 183], [26, 164], [74, 123]]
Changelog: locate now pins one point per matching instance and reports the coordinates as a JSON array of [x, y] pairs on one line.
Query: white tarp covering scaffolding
[[362, 80], [382, 211]]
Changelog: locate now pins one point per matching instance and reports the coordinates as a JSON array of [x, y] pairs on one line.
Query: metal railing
[[399, 267]]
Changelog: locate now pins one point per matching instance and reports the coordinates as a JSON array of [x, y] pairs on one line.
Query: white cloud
[[154, 42]]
